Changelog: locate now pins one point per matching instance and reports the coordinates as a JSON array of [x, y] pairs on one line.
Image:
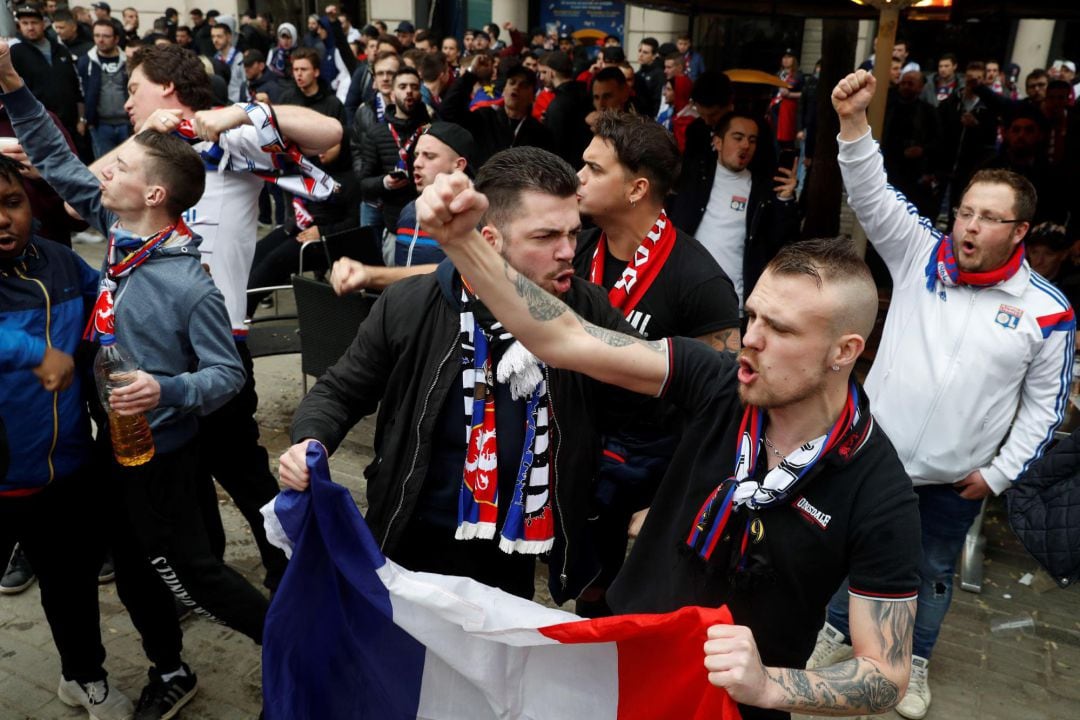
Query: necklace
[[772, 447]]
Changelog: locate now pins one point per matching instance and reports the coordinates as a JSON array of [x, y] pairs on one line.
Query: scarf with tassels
[[942, 266], [726, 505], [529, 526], [127, 251], [280, 162]]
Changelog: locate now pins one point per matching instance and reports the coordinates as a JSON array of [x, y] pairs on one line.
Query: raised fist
[[450, 208], [852, 94]]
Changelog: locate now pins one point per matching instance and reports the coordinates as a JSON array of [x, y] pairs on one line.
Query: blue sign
[[586, 20]]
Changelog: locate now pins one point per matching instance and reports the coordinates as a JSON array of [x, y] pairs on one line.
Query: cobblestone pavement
[[975, 673]]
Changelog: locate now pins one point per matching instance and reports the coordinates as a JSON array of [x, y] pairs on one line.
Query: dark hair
[[610, 73], [306, 53], [712, 89], [643, 147], [684, 36], [724, 123], [493, 30], [422, 35], [949, 56], [11, 170], [432, 65], [652, 43], [481, 33], [370, 32], [1035, 74], [63, 15], [414, 54], [675, 56], [179, 28], [406, 70], [1058, 85], [174, 165], [222, 26], [1025, 199], [457, 43], [179, 66], [392, 42], [975, 66], [105, 23], [821, 259], [509, 173]]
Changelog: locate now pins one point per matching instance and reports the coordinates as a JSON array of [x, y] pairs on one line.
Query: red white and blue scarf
[[126, 252], [942, 266], [280, 163], [781, 484], [529, 527]]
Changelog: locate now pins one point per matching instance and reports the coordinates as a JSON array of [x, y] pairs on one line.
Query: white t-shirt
[[723, 227], [227, 219]]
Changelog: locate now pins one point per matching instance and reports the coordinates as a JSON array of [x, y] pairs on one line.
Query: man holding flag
[[813, 489]]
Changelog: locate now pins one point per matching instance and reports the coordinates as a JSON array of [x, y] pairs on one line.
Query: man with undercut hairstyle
[[814, 490], [483, 456], [665, 283], [973, 371]]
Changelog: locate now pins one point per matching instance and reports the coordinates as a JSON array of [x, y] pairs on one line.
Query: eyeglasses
[[966, 214]]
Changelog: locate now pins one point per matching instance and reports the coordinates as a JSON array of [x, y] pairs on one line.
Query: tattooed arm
[[727, 339], [450, 209], [871, 682]]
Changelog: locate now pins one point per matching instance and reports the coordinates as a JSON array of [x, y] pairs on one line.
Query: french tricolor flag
[[350, 634]]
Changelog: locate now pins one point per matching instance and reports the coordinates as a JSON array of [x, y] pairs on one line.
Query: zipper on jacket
[[48, 344], [944, 383], [555, 474], [416, 451]]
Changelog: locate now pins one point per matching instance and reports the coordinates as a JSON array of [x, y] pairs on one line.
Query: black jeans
[[163, 551], [233, 456], [277, 258], [60, 532]]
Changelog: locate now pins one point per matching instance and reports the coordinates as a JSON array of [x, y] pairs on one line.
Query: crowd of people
[[606, 262]]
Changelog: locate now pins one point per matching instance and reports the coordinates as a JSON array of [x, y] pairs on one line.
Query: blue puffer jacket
[[44, 297]]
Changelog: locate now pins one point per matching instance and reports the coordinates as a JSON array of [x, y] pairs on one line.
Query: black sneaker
[[19, 575], [161, 700]]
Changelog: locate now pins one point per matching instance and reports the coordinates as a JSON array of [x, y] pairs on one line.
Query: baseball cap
[[559, 62], [405, 27], [29, 11], [614, 55], [101, 6]]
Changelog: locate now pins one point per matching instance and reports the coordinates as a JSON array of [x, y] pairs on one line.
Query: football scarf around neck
[[280, 162], [942, 266], [529, 527], [639, 274], [780, 485], [126, 252], [405, 150]]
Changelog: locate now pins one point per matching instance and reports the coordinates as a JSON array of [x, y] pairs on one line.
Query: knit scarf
[[127, 251], [780, 484], [280, 162], [942, 266], [641, 271], [529, 526]]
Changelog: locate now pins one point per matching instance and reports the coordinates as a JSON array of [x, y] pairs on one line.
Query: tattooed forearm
[[618, 339], [542, 306], [849, 688]]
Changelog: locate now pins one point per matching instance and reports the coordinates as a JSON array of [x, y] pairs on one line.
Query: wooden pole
[[883, 49]]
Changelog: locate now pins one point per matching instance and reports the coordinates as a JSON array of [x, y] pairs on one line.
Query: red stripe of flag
[[661, 662]]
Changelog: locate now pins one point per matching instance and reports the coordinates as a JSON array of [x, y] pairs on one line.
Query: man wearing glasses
[[972, 375]]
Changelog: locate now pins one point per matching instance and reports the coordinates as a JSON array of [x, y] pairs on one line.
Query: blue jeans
[[946, 518], [104, 137]]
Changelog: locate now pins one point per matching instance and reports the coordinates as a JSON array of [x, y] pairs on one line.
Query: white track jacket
[[965, 378]]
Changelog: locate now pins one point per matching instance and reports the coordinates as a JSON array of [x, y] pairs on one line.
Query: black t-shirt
[[856, 517], [690, 297]]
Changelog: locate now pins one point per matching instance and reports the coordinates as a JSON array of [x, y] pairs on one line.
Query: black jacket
[[565, 118], [407, 356], [379, 155], [1044, 510], [770, 223], [649, 85], [270, 84], [490, 127], [56, 85]]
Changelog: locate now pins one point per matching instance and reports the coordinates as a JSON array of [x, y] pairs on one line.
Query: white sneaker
[[100, 701], [830, 648], [917, 700]]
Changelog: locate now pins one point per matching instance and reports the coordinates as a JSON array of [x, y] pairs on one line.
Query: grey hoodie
[[169, 314]]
